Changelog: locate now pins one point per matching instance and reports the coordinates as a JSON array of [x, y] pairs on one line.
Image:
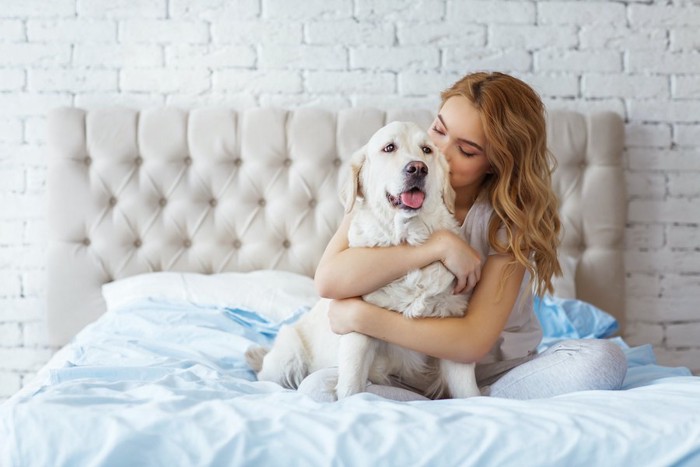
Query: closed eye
[[467, 154], [438, 131]]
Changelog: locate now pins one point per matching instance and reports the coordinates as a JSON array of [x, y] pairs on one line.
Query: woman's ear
[[353, 188]]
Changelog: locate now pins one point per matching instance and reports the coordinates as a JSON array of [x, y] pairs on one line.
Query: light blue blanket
[[166, 385]]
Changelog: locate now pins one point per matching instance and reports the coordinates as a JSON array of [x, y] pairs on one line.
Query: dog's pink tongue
[[413, 199]]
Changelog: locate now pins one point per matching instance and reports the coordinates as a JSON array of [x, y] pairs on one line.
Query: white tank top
[[522, 332]]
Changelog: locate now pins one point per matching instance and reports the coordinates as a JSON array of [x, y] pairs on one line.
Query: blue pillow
[[562, 318]]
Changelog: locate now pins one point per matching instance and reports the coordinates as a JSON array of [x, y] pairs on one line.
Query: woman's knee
[[602, 360], [568, 366], [611, 361]]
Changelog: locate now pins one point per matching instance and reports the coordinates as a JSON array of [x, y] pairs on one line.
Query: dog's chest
[[421, 292], [368, 231], [425, 292]]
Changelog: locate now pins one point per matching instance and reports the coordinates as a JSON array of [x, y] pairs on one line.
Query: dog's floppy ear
[[353, 188], [448, 193]]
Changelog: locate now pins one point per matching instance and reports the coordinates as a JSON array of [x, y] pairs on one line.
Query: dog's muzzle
[[413, 196]]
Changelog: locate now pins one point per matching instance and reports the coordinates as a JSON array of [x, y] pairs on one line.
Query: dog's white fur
[[380, 218]]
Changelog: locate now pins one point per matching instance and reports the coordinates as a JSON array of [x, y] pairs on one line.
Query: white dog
[[399, 192]]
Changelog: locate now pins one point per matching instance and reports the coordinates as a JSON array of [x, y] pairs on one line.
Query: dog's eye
[[389, 148], [427, 150]]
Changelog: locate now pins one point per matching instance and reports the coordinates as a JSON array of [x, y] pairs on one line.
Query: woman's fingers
[[471, 282], [468, 282], [461, 284]]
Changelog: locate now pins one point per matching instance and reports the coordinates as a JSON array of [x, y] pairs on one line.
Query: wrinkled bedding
[[158, 382]]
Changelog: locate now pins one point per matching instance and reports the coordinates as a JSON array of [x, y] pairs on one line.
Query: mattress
[[160, 379]]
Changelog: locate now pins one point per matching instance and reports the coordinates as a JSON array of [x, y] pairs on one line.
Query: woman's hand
[[458, 257], [345, 272], [342, 314]]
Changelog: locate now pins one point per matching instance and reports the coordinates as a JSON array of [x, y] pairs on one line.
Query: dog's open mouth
[[410, 199]]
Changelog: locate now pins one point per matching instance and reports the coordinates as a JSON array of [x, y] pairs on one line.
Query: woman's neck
[[463, 203]]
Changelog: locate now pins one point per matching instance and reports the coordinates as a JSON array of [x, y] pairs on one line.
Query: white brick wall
[[639, 58]]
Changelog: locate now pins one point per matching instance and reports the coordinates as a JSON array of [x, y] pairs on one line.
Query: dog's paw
[[330, 384], [348, 388], [342, 393]]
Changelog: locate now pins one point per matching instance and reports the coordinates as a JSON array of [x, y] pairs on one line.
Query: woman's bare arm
[[464, 339], [345, 272]]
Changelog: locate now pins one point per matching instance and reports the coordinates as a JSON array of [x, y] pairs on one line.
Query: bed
[[180, 238]]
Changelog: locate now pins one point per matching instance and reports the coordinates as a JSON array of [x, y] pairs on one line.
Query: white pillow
[[273, 294]]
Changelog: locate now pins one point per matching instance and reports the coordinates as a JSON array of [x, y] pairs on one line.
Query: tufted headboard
[[215, 190]]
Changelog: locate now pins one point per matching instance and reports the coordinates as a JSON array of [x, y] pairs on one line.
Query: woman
[[491, 129]]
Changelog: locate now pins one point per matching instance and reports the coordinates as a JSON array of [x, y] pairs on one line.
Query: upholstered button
[[286, 244], [262, 203], [138, 160], [238, 162], [188, 160], [162, 202], [287, 162], [87, 160], [337, 162], [312, 203], [187, 243], [112, 201], [213, 203], [236, 244], [86, 242], [137, 243]]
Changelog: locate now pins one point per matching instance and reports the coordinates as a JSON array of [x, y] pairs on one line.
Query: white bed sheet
[[164, 383]]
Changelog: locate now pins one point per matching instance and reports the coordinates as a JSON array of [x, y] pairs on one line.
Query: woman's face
[[458, 132]]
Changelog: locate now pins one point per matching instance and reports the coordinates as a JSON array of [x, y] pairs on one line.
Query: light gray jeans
[[568, 366]]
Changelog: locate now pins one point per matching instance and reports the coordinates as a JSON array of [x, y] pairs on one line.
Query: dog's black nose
[[416, 169]]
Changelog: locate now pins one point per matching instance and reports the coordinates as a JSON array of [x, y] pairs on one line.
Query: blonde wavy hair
[[520, 188]]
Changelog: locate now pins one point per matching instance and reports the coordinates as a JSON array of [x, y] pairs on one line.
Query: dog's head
[[400, 169]]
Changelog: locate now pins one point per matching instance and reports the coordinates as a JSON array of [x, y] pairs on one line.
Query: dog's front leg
[[355, 357], [460, 379]]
